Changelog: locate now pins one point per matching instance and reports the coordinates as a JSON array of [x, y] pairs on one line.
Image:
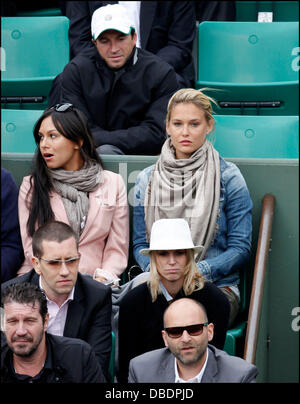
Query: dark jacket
[[69, 360], [215, 10], [89, 314], [141, 321], [126, 108], [12, 255], [167, 29]]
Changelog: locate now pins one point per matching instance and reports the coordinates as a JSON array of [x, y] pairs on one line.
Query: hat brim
[[146, 251], [123, 30]]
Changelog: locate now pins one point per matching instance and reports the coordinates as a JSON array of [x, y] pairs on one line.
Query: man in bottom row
[[30, 354], [188, 358]]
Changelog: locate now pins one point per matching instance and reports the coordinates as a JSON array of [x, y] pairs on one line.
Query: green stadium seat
[[43, 12], [246, 136], [235, 336], [250, 62], [34, 50], [17, 130], [282, 10]]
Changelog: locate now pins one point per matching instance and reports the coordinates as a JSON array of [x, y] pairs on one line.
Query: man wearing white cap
[[123, 90], [173, 275], [165, 28]]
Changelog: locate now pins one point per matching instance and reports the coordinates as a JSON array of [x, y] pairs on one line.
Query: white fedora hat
[[171, 234]]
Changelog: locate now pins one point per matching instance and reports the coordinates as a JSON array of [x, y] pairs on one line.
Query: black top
[[167, 29], [126, 108], [88, 316], [141, 321], [69, 360]]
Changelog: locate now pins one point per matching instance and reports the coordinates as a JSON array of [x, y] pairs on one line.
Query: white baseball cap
[[171, 234], [112, 16]]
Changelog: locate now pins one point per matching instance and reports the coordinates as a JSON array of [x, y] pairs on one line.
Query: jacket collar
[[167, 368], [211, 366], [75, 308]]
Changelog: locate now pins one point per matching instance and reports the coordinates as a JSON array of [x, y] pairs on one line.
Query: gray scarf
[[186, 188], [73, 187]]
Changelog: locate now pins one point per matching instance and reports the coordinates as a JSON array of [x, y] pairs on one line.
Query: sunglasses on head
[[193, 330], [62, 107]]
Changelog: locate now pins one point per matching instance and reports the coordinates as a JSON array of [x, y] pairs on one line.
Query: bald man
[[188, 357]]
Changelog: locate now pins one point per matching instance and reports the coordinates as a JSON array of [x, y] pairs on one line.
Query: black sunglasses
[[62, 107], [193, 330]]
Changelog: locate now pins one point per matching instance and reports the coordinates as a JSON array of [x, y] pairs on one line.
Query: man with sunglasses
[[123, 90], [188, 356], [78, 306]]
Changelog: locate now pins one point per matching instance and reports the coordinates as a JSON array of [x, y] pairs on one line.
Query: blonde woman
[[191, 180], [173, 274]]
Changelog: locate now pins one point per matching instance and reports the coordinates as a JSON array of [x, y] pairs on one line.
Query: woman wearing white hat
[[173, 274], [190, 180]]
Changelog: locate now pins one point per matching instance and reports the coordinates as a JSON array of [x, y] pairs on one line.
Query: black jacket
[[89, 314], [141, 321], [69, 360], [167, 29], [126, 108]]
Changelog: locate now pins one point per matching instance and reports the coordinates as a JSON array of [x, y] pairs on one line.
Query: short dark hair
[[51, 231], [25, 293]]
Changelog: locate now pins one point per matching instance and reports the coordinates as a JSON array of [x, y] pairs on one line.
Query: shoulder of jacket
[[230, 360], [153, 356], [152, 59], [138, 293], [61, 343], [90, 286]]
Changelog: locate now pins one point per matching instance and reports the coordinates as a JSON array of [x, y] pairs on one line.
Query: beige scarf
[[74, 188], [186, 188]]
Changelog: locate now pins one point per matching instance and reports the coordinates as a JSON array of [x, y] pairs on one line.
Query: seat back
[[17, 130], [35, 50], [250, 62], [41, 12], [238, 136], [281, 10]]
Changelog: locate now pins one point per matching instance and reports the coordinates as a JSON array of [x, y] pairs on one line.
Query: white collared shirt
[[57, 315], [197, 378], [164, 291]]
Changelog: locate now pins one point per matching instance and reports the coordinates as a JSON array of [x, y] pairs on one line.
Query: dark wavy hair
[[25, 293], [73, 125]]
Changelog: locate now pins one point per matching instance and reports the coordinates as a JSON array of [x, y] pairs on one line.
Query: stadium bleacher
[[35, 50], [281, 10], [250, 67]]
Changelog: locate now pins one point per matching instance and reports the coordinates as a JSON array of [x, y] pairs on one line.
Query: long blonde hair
[[193, 279]]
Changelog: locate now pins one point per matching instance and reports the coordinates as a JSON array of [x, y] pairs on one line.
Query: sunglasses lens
[[175, 332], [193, 330]]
